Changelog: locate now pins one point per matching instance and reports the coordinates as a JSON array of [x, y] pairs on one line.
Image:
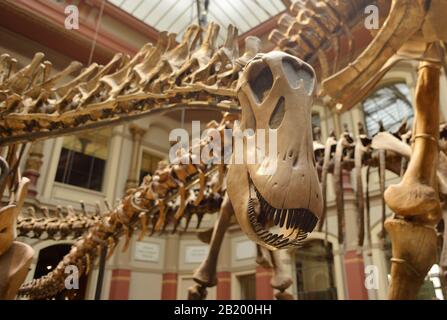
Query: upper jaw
[[279, 228]]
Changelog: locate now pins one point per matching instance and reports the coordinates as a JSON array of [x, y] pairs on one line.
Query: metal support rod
[[199, 13], [102, 265]]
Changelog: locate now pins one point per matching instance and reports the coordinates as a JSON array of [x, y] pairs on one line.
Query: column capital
[[137, 132]]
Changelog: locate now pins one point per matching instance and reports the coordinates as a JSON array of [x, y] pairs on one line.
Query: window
[[248, 286], [149, 164], [314, 271], [390, 105], [83, 159]]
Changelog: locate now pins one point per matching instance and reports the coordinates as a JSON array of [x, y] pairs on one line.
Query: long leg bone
[[205, 275], [414, 237], [415, 194], [280, 279]]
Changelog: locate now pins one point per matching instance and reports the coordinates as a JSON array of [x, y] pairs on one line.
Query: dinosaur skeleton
[[35, 105], [55, 225], [397, 152], [385, 151], [205, 199], [157, 79]]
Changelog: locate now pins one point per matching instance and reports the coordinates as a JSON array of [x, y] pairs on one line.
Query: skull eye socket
[[278, 114], [296, 73], [260, 80]]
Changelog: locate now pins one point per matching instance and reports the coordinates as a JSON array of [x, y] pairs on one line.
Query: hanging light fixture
[[202, 11]]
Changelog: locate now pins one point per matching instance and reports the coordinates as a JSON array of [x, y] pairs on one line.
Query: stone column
[[119, 286], [223, 288], [169, 286], [137, 135], [353, 257], [170, 274], [223, 285], [33, 165], [264, 290]]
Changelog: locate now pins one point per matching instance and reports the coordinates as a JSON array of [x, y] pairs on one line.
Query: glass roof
[[176, 15], [390, 105]]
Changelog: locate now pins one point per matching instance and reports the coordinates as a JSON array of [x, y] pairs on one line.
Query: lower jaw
[[282, 239]]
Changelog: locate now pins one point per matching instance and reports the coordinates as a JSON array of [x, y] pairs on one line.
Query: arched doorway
[[48, 259], [314, 265]]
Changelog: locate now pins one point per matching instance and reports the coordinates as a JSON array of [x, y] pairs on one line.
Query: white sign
[[195, 254], [146, 251], [245, 250]]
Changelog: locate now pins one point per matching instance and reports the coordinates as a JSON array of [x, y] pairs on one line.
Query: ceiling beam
[[43, 22], [261, 29], [127, 19], [287, 3]]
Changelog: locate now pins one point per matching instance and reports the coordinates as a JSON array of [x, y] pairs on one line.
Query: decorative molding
[[43, 21]]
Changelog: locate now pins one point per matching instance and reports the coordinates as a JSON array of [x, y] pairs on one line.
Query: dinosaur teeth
[[258, 227], [279, 240], [269, 238], [290, 216], [282, 243], [271, 213], [262, 217], [291, 226], [301, 235], [273, 239], [263, 233], [298, 218], [284, 213], [305, 220], [264, 204], [277, 216], [258, 194]]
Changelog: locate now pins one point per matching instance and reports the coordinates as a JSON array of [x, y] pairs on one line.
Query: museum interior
[[110, 188]]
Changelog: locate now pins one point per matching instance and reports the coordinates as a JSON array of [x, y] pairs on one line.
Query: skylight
[[176, 15]]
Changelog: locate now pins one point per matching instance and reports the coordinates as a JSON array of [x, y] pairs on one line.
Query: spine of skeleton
[[57, 226], [37, 104]]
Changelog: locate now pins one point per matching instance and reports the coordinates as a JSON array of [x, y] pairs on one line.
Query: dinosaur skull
[[278, 209]]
